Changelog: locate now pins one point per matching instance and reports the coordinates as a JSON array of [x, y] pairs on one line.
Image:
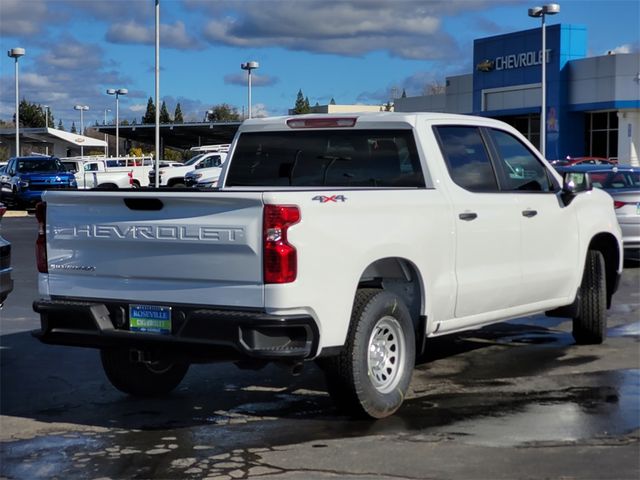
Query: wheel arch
[[607, 244], [400, 276]]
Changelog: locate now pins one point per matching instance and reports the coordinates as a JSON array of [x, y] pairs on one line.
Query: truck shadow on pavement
[[67, 385]]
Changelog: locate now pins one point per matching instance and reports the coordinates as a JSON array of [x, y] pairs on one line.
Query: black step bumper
[[197, 334]]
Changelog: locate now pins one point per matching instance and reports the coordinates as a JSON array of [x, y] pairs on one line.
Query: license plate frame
[[150, 319]]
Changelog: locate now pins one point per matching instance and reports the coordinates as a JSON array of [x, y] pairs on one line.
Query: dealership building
[[593, 104]]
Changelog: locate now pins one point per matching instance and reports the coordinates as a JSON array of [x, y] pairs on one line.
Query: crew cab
[[350, 240], [94, 174], [25, 178]]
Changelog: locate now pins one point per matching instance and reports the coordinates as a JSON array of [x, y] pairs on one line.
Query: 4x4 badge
[[332, 198]]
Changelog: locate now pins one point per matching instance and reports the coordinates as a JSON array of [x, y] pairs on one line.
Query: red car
[[584, 161]]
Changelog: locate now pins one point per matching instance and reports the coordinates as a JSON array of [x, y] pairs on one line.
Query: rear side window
[[334, 158], [467, 158], [518, 168]]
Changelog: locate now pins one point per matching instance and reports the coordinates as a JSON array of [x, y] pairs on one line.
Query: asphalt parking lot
[[516, 400]]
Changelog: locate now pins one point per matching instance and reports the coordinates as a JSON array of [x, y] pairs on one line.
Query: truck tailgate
[[162, 247]]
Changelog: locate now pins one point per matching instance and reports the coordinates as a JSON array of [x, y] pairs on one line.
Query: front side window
[[467, 158], [518, 168], [335, 158]]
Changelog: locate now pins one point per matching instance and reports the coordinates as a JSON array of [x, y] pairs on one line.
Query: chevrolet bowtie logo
[[486, 66]]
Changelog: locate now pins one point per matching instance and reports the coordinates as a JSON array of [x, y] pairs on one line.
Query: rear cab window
[[331, 158]]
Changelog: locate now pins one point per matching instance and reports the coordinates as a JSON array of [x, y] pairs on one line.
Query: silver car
[[623, 184]]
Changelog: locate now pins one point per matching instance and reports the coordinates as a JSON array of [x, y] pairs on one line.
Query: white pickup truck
[[175, 176], [349, 239], [94, 174]]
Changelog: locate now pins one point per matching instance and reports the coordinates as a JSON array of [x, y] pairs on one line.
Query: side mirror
[[574, 183]]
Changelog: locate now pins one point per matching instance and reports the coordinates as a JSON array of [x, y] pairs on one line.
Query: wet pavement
[[516, 400]]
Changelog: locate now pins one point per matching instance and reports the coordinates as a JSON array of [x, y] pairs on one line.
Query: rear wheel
[[590, 326], [372, 374], [143, 379]]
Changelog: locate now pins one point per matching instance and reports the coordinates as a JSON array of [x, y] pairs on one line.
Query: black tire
[[179, 185], [141, 379], [590, 326], [371, 375]]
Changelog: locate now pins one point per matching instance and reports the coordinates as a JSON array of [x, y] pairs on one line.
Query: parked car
[[175, 176], [6, 283], [25, 178], [623, 184], [584, 161]]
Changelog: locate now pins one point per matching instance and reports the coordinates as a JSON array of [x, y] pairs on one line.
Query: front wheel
[[590, 325], [141, 379], [371, 375]]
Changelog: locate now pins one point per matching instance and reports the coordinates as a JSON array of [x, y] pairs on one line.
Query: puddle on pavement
[[567, 415]]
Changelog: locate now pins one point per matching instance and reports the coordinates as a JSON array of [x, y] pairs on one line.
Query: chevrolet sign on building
[[593, 103]]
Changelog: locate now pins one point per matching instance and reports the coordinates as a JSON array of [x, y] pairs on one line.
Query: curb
[[16, 213]]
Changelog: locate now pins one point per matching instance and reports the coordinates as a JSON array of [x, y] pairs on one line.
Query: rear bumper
[[6, 283], [198, 333]]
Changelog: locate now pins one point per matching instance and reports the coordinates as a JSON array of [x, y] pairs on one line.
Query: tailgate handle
[[143, 203]]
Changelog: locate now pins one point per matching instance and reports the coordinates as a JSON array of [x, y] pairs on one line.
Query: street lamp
[[46, 125], [117, 93], [248, 66], [82, 108], [542, 12], [16, 53], [106, 146]]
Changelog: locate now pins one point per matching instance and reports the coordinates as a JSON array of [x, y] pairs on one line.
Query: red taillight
[[41, 241], [321, 122], [130, 174], [280, 257], [3, 210], [618, 204]]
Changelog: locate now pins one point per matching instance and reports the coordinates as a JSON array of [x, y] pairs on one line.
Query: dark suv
[[25, 178]]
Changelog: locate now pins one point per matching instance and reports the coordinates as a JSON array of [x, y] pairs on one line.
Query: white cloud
[[171, 35], [259, 110], [20, 19], [138, 107], [626, 48]]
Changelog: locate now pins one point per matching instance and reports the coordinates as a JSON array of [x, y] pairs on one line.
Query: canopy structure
[[181, 136], [50, 141]]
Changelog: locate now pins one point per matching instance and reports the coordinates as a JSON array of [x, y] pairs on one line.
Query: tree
[[164, 114], [60, 125], [177, 114], [73, 127], [332, 101], [223, 112], [302, 104], [150, 114], [33, 115], [404, 94]]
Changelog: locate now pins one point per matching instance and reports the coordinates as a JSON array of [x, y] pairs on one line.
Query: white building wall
[[629, 137]]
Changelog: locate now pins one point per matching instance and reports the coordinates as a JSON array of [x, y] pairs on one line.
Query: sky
[[357, 51]]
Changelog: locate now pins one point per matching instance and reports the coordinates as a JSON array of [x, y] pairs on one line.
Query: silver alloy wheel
[[386, 350]]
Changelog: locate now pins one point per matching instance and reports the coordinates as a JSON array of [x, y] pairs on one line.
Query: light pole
[[117, 93], [82, 108], [16, 53], [46, 125], [542, 12], [248, 66], [106, 147]]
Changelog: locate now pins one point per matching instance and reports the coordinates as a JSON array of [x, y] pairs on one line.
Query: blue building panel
[[512, 60]]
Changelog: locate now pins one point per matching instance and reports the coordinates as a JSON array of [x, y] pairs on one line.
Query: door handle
[[529, 213], [468, 216]]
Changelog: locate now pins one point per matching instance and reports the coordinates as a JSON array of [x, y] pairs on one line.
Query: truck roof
[[360, 120]]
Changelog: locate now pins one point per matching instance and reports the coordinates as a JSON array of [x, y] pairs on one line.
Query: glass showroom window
[[602, 134]]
